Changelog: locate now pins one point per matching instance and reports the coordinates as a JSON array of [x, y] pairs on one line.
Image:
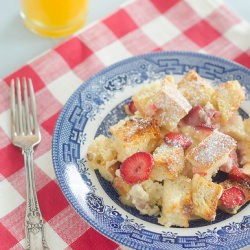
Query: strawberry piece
[[201, 118], [232, 197], [137, 167], [177, 140], [237, 174], [132, 107], [205, 128], [193, 118]]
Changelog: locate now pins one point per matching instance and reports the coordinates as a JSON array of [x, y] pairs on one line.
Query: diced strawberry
[[193, 117], [200, 118], [137, 167], [177, 139], [232, 197], [237, 174], [205, 128], [132, 107]]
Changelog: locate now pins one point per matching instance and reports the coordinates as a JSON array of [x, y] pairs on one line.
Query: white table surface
[[18, 45]]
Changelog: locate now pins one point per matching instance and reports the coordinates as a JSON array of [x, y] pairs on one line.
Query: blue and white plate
[[92, 109]]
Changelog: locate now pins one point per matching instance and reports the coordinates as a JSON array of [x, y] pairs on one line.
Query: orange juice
[[54, 18]]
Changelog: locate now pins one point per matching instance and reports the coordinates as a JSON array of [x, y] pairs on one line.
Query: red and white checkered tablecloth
[[137, 27]]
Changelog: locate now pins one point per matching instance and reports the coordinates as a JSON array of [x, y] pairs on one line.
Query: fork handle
[[34, 227]]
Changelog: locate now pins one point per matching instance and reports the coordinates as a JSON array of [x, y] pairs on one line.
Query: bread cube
[[234, 127], [188, 169], [195, 89], [102, 156], [135, 134], [176, 202], [227, 98], [211, 153], [205, 196], [144, 96], [168, 162], [162, 101]]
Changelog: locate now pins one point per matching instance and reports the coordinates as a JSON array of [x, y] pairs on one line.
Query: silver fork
[[25, 134]]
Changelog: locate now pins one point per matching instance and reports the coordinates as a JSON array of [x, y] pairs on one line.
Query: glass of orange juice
[[54, 18]]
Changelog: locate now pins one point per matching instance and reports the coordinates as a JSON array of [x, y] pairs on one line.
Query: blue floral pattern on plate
[[90, 111]]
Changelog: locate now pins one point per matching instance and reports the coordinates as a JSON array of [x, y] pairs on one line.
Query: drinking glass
[[54, 18]]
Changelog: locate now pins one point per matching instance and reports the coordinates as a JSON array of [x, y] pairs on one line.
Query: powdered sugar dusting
[[138, 126], [213, 148]]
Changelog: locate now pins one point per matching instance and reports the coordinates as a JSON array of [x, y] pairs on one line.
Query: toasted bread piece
[[102, 156], [227, 98], [144, 96], [168, 162], [176, 202], [195, 89], [162, 101], [234, 127], [135, 134], [211, 153], [233, 183], [205, 196], [188, 169]]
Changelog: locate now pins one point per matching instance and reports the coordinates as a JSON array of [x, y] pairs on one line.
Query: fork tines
[[24, 120]]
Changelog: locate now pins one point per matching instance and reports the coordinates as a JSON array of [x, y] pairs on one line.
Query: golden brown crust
[[135, 128], [162, 101], [234, 127], [227, 98], [205, 196], [168, 162], [211, 153], [177, 202], [201, 90], [135, 134]]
